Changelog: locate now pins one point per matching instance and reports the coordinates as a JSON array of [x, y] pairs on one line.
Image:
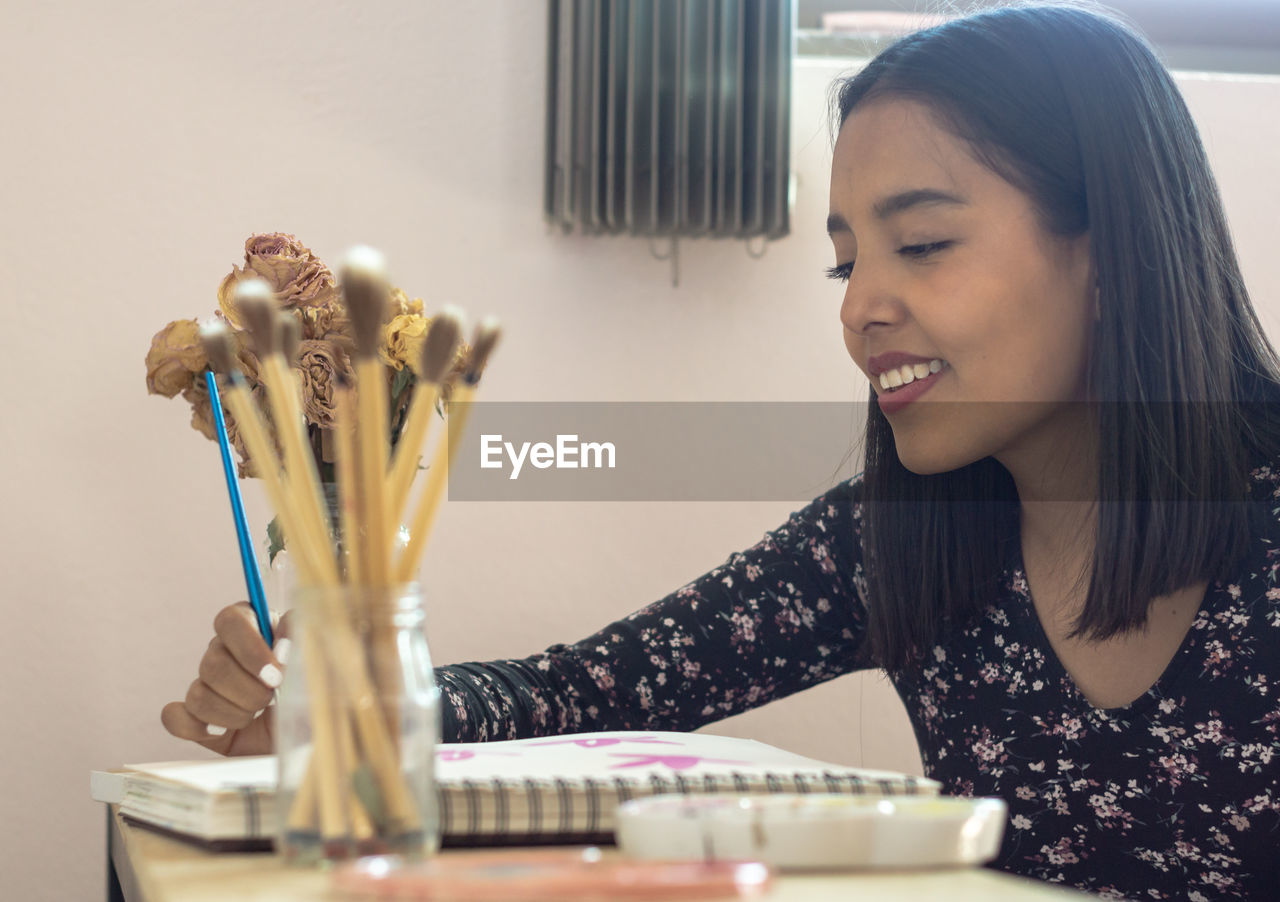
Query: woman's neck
[[1055, 472]]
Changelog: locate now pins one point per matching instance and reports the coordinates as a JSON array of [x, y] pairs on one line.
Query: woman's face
[[946, 262]]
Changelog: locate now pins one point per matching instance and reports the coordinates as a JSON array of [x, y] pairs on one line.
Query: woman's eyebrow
[[898, 203]]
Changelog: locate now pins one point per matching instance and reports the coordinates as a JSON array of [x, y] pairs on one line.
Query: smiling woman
[[961, 273], [1079, 278], [1062, 549]]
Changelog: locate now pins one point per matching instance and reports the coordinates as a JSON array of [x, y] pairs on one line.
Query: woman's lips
[[893, 401]]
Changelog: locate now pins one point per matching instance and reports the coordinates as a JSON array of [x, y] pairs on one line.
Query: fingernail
[[282, 650], [215, 730], [271, 675]]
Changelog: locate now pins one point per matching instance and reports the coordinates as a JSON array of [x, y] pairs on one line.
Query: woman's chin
[[928, 466], [929, 458]]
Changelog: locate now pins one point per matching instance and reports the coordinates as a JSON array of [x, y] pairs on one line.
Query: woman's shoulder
[[1264, 479], [826, 524], [1263, 485], [841, 502], [1263, 511], [848, 491]]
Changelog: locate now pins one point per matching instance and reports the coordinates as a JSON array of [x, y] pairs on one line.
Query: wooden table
[[144, 866]]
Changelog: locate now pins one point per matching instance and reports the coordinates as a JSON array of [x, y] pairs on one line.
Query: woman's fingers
[[223, 674], [226, 708], [284, 640], [253, 740], [183, 724], [220, 713], [237, 627]]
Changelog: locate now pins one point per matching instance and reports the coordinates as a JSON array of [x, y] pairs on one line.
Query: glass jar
[[357, 725], [283, 576]]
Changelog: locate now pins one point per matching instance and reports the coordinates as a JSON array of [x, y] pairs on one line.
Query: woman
[[1060, 548]]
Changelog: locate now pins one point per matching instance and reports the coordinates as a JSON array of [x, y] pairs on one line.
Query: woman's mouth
[[893, 397], [900, 376]]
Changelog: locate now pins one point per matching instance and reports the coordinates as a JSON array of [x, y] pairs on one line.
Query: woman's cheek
[[851, 345]]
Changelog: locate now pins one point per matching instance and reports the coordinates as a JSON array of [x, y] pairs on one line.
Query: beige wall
[[142, 145]]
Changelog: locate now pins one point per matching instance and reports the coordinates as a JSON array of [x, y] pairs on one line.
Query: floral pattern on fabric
[[1174, 796]]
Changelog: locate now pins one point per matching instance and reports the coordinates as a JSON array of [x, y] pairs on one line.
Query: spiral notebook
[[557, 789]]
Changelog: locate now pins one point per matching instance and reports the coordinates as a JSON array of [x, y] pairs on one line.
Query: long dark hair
[[1073, 107]]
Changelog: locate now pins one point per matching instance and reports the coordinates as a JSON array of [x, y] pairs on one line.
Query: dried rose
[[246, 357], [296, 275], [328, 322], [176, 358], [197, 395], [402, 341], [320, 362], [325, 321], [227, 298], [401, 303]]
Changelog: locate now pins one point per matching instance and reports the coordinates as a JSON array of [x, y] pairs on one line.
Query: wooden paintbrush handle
[[324, 742], [429, 501], [357, 817], [372, 425], [303, 816], [300, 461], [377, 740], [347, 466], [404, 465]]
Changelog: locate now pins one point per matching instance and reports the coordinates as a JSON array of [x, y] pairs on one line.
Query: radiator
[[669, 117]]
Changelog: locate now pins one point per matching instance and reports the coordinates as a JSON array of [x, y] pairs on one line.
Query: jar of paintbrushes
[[357, 723], [357, 719]]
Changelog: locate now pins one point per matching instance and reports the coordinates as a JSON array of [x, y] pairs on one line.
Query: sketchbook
[[556, 789]]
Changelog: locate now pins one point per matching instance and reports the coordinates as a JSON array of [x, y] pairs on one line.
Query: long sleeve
[[783, 615]]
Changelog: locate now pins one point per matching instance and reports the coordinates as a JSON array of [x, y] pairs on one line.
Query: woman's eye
[[840, 272], [923, 250]]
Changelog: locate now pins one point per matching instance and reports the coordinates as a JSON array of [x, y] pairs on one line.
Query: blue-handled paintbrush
[[252, 576]]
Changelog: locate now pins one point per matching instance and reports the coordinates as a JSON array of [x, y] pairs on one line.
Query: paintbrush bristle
[[366, 291], [367, 260], [256, 303], [441, 345], [482, 345], [290, 336], [218, 346]]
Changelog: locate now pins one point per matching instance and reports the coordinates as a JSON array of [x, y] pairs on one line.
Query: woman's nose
[[869, 302]]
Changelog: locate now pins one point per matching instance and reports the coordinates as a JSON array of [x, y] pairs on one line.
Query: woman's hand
[[226, 708]]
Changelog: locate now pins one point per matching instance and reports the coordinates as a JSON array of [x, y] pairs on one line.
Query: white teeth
[[909, 372]]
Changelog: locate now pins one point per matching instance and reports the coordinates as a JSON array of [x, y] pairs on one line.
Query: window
[[1203, 35]]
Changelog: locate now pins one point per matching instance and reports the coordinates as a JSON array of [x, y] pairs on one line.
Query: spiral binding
[[554, 809]]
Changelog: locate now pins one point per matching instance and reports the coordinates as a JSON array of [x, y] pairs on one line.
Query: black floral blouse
[[1173, 796]]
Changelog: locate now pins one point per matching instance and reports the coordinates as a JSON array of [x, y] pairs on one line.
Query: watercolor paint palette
[[797, 831]]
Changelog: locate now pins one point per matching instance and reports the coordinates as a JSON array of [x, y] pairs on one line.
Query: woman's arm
[[774, 619], [779, 617]]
